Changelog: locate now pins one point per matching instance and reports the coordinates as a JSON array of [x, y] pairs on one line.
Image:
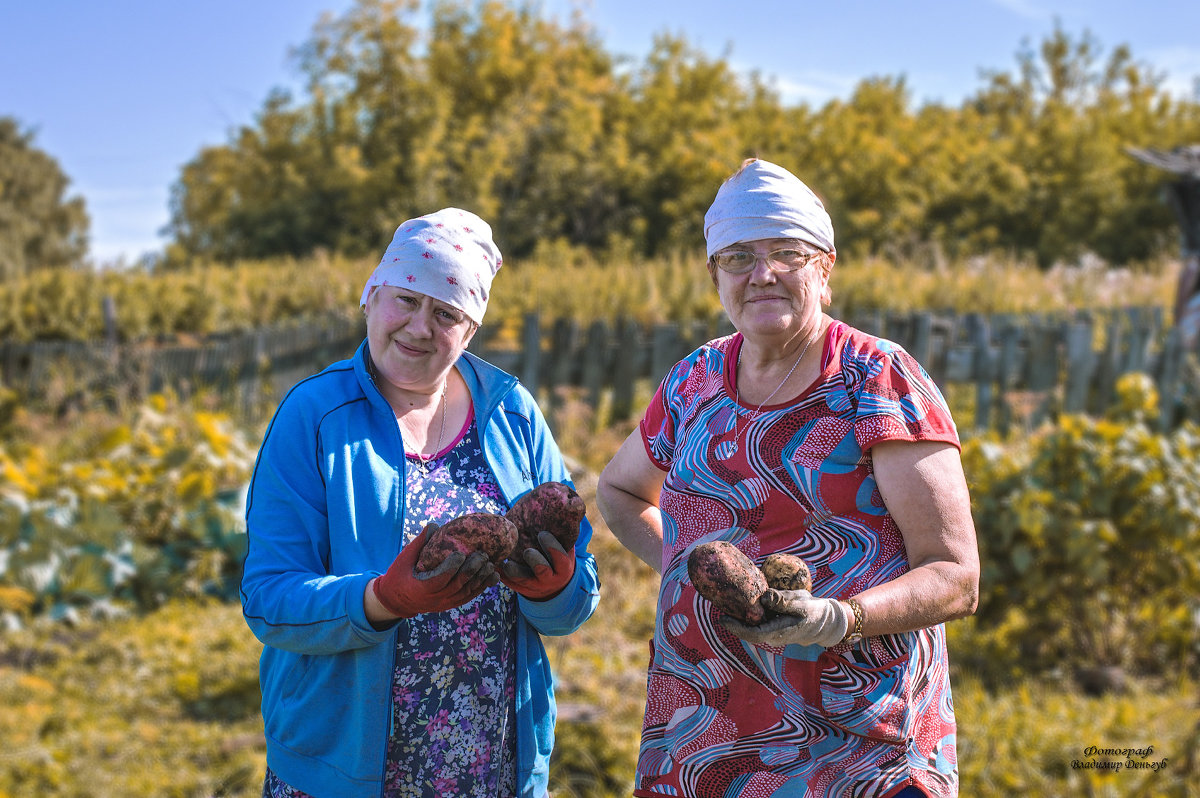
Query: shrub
[[1088, 533], [124, 515]]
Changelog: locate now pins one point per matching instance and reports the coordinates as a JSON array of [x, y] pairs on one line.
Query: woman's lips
[[409, 349]]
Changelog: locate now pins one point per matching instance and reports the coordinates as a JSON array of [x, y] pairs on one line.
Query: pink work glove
[[543, 574], [405, 593]]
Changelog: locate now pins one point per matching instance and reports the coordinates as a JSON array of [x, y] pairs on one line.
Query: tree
[[1064, 120], [40, 228], [493, 107]]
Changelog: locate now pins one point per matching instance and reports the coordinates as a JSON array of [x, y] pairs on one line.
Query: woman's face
[[414, 338], [764, 302]]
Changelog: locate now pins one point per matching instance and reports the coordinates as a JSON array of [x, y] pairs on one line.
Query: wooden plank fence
[[1019, 370]]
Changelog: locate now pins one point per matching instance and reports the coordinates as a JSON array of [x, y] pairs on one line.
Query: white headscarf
[[762, 201], [448, 255]]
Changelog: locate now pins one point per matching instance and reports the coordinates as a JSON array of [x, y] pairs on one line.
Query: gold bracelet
[[854, 634]]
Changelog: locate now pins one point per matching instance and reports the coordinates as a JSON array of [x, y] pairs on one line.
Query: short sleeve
[[894, 398], [691, 381], [658, 429]]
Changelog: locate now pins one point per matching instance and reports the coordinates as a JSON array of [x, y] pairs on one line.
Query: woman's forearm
[[627, 494], [927, 595], [636, 523]]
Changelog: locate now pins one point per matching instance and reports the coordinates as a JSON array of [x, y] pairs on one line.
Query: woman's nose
[[420, 321], [762, 273]]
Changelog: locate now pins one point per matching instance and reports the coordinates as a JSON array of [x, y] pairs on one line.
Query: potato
[[494, 535], [552, 507], [729, 579], [786, 572]]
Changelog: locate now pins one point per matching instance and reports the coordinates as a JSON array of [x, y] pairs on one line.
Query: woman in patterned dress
[[797, 434], [378, 680]]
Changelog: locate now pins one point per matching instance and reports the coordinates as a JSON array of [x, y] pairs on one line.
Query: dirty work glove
[[539, 575], [802, 620], [405, 593]]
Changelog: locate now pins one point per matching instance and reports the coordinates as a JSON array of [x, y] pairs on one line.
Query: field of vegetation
[[206, 300], [125, 667], [165, 701]]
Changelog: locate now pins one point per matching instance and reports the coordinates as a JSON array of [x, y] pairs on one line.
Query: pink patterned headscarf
[[448, 255]]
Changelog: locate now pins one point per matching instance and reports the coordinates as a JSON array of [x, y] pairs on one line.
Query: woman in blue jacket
[[377, 681]]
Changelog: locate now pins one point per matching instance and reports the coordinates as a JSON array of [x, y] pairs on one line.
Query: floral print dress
[[454, 679]]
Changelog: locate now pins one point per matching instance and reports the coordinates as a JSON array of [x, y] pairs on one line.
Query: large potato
[[494, 535], [552, 507], [729, 579]]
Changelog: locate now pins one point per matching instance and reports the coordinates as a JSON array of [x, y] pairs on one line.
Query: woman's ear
[[366, 307], [826, 265], [712, 271]]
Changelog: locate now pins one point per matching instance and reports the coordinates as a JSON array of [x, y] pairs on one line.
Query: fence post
[[922, 338], [595, 362], [984, 369], [559, 370], [1139, 340], [625, 369], [1168, 378], [664, 352], [1109, 367], [531, 349], [1007, 370], [562, 369], [1081, 362], [1043, 369]]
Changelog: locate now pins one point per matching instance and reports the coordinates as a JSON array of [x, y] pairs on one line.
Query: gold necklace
[[737, 417]]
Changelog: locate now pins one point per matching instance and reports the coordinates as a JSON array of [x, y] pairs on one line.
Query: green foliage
[[1032, 738], [557, 280], [167, 704], [40, 227], [123, 515], [82, 704], [164, 705], [201, 300], [1087, 537], [532, 124]]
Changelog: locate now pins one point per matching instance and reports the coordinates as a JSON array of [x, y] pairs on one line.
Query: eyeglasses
[[740, 261]]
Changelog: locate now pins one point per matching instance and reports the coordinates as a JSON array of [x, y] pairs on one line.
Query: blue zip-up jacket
[[325, 515]]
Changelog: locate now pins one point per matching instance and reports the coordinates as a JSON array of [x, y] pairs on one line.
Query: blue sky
[[124, 92]]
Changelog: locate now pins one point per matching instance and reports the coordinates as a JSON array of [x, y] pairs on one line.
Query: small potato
[[787, 572], [729, 579], [494, 535]]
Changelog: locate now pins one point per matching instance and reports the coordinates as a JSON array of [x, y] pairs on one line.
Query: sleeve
[[567, 611], [658, 425], [289, 598], [894, 398]]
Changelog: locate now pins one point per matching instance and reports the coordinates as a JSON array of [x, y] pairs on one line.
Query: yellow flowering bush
[[1088, 532]]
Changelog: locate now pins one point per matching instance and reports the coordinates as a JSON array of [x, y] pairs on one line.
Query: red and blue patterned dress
[[725, 718]]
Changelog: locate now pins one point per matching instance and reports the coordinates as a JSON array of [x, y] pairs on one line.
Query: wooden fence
[[1015, 370]]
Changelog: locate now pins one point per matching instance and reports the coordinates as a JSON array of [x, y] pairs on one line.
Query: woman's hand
[[803, 620], [544, 573], [403, 593]]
